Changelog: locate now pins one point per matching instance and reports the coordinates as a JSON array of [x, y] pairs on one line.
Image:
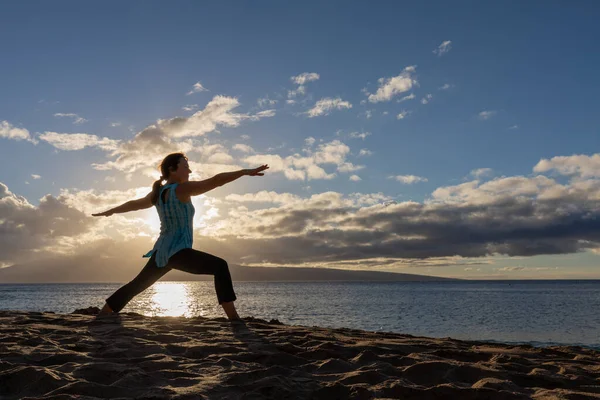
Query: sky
[[456, 139]]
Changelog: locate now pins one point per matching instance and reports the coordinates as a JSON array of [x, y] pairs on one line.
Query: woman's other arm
[[132, 205]]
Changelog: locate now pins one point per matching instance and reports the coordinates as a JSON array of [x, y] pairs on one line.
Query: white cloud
[[481, 172], [365, 152], [359, 135], [403, 114], [427, 98], [115, 124], [9, 131], [576, 165], [405, 98], [300, 90], [326, 105], [78, 141], [298, 167], [264, 197], [368, 114], [514, 127], [266, 101], [309, 141], [245, 137], [197, 88], [34, 176], [443, 48], [484, 115], [390, 87], [76, 118], [305, 77], [290, 101], [263, 114], [355, 178], [190, 107], [445, 86], [244, 148], [408, 179]]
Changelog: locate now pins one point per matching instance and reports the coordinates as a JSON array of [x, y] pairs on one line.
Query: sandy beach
[[130, 356]]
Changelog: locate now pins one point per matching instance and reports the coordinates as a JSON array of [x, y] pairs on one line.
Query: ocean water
[[534, 312]]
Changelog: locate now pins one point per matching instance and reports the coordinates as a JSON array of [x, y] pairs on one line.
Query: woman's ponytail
[[156, 190]]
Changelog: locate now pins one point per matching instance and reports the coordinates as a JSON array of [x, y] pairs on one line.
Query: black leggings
[[188, 260]]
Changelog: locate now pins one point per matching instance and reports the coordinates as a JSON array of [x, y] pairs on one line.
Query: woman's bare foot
[[230, 311], [106, 310]]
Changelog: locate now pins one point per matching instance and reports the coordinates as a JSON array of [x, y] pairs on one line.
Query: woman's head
[[173, 167]]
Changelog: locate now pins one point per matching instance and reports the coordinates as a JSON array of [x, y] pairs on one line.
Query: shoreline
[[60, 356]]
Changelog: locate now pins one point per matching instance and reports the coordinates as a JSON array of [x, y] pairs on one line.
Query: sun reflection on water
[[171, 299]]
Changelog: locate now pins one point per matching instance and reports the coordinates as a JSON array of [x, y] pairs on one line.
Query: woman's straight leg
[[199, 262], [150, 274]]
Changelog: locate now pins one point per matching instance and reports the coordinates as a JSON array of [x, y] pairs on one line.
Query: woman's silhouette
[[173, 249]]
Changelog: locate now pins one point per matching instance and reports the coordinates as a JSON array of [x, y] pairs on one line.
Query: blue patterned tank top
[[176, 226]]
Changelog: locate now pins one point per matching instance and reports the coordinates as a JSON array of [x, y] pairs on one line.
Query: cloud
[[359, 135], [481, 172], [365, 152], [308, 167], [484, 115], [9, 131], [390, 87], [446, 86], [403, 114], [514, 127], [263, 114], [149, 146], [304, 78], [244, 148], [266, 101], [326, 105], [115, 124], [264, 196], [190, 107], [34, 176], [408, 179], [27, 229], [300, 90], [443, 48], [76, 118], [197, 88], [355, 178], [78, 141], [427, 98], [405, 98], [580, 165]]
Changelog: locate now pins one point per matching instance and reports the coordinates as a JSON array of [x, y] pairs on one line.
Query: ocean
[[534, 312]]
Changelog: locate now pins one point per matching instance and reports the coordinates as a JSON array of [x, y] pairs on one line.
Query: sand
[[130, 356]]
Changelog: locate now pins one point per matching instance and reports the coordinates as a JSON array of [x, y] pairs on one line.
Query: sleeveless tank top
[[176, 226]]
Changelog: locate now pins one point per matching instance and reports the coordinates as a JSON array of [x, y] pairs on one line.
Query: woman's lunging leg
[[199, 262], [150, 274]]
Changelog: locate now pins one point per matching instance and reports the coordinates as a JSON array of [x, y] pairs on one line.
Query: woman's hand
[[257, 171], [103, 214]]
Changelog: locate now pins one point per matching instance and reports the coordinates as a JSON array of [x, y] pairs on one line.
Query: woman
[[173, 249]]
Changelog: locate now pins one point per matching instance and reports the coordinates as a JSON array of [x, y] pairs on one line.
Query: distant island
[[101, 270]]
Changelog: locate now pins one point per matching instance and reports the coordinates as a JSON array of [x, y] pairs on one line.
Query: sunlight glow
[[171, 299]]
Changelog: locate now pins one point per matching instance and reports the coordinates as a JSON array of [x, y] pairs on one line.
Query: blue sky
[[435, 94]]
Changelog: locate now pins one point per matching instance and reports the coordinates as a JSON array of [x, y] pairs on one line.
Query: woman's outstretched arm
[[132, 205], [195, 188]]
